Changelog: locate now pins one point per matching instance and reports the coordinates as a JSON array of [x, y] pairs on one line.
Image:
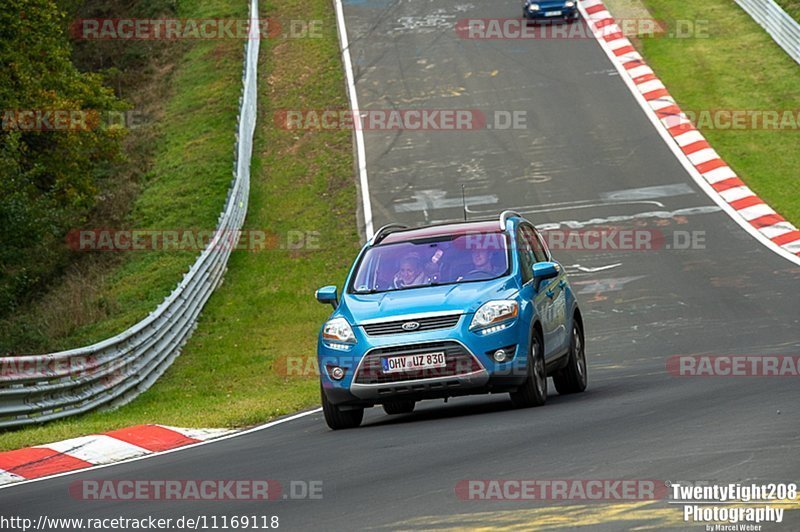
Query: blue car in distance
[[447, 310], [550, 10]]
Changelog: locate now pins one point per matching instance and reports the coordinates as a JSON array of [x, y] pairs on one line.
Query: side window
[[542, 253], [532, 240], [526, 256]]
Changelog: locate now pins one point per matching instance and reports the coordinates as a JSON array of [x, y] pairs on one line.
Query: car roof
[[434, 231]]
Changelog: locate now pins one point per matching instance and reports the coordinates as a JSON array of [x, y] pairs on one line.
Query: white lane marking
[[618, 43], [575, 224], [425, 23], [652, 85], [427, 200], [719, 174], [664, 102], [778, 229], [361, 151], [794, 247], [7, 478], [736, 193], [589, 269], [690, 137], [199, 434], [169, 451], [676, 150], [703, 156], [756, 211], [640, 70], [570, 206], [96, 449], [598, 286], [645, 193]]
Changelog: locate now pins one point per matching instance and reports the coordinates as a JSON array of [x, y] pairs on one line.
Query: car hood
[[546, 4], [462, 297]]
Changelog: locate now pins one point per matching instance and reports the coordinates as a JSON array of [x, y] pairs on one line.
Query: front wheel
[[574, 377], [533, 391], [340, 419]]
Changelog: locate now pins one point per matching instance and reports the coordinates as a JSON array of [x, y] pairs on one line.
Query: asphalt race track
[[586, 154]]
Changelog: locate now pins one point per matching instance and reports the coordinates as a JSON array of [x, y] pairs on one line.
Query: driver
[[410, 273], [482, 267], [482, 261]]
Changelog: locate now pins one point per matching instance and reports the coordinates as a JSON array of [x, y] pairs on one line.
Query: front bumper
[[470, 370], [565, 13]]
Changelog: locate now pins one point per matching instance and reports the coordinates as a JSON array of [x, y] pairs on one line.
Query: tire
[[533, 391], [399, 407], [573, 378], [340, 419]]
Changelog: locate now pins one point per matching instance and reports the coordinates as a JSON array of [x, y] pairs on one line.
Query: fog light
[[500, 355], [336, 373]]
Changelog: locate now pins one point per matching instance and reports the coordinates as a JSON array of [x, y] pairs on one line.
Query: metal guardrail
[[39, 388], [782, 28]]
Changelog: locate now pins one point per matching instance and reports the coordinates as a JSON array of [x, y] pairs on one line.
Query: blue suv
[[447, 310]]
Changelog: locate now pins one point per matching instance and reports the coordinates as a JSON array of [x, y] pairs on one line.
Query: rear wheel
[[399, 407], [573, 378], [340, 419], [534, 391]]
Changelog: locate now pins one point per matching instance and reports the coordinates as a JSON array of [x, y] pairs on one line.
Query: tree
[[49, 170]]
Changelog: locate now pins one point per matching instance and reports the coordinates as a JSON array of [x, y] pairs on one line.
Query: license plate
[[413, 362], [552, 13]]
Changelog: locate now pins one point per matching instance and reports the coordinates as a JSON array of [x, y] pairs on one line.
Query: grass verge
[[792, 7], [737, 66], [230, 372]]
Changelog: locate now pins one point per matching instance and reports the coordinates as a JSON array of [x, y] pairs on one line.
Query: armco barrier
[[35, 389], [781, 27]]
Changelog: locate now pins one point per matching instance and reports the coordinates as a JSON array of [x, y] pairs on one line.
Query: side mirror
[[328, 294], [543, 271]]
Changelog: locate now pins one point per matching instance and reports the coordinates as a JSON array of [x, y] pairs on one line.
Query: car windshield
[[436, 261]]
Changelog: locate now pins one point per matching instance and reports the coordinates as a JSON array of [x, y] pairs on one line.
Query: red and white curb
[[723, 185], [98, 449]]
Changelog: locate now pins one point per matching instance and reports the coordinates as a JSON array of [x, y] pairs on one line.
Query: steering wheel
[[475, 274]]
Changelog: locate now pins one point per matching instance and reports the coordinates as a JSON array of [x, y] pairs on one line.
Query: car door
[[555, 290], [527, 245]]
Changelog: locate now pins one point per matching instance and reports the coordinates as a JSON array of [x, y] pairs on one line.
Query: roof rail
[[384, 231], [505, 216]]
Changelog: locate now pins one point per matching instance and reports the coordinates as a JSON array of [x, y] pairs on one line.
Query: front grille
[[425, 324], [459, 362]]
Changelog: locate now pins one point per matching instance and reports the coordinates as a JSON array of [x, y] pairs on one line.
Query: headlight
[[494, 313], [533, 7], [338, 330], [569, 4]]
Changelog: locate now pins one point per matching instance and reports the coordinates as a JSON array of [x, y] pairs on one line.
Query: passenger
[[411, 273]]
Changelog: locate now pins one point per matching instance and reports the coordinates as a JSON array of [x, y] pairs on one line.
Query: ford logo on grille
[[410, 326]]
